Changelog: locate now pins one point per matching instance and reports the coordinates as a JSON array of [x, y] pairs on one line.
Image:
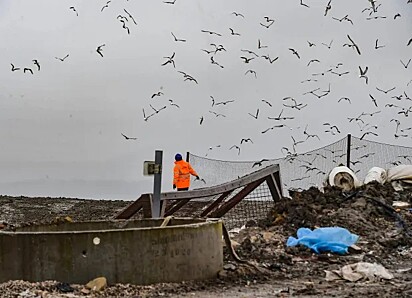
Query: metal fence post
[[187, 156], [348, 151], [157, 184]]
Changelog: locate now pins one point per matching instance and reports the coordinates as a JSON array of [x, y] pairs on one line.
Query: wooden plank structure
[[218, 207]]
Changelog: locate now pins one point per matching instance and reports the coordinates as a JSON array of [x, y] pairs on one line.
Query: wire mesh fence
[[298, 172]]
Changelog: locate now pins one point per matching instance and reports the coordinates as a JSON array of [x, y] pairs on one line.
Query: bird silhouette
[[99, 49], [170, 60], [157, 94], [128, 138], [312, 61], [232, 32], [130, 16], [363, 73], [294, 52], [407, 64], [224, 102], [211, 32], [247, 60], [250, 52], [368, 133], [170, 2], [268, 103], [37, 64], [212, 60], [256, 115], [74, 9], [311, 44], [177, 39], [13, 68], [328, 45], [268, 58], [238, 14], [246, 141], [352, 45], [62, 59], [105, 6], [386, 91], [376, 45], [235, 147], [28, 69], [252, 72], [260, 46], [259, 163], [328, 7], [172, 103]]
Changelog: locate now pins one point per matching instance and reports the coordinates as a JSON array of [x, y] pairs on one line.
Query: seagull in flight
[[13, 68], [62, 59], [128, 138], [74, 9], [170, 60], [176, 39], [238, 14], [37, 64], [99, 49]]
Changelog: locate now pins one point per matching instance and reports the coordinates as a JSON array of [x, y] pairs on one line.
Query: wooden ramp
[[222, 200]]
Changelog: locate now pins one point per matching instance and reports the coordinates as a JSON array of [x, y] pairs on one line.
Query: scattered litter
[[376, 174], [400, 204], [333, 239], [358, 271], [344, 178]]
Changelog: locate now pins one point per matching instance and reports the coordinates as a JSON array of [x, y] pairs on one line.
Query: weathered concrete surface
[[135, 252]]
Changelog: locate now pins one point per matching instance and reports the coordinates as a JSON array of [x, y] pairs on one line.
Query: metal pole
[[348, 151], [157, 184], [187, 156]]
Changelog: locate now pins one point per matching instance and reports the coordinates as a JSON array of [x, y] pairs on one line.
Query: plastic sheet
[[334, 239]]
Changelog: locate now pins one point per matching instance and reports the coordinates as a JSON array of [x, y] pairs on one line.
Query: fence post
[[187, 156], [157, 184], [348, 151]]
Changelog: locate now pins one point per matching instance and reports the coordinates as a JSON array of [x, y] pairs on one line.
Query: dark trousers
[[182, 189]]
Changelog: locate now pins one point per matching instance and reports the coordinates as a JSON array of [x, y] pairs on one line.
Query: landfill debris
[[344, 178], [400, 204], [64, 287], [334, 239], [359, 271], [376, 174], [400, 173], [97, 284]]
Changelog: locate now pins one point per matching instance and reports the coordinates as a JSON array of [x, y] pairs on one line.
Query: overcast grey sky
[[61, 127]]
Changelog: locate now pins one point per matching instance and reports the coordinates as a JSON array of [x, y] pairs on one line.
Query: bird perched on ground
[[128, 138], [99, 49]]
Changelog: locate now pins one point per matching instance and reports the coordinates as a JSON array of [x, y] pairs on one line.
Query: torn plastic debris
[[376, 174], [358, 271], [334, 239]]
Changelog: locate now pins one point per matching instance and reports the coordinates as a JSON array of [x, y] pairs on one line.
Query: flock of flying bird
[[248, 58]]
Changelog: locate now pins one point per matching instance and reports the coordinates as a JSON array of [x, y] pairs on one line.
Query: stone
[[97, 284]]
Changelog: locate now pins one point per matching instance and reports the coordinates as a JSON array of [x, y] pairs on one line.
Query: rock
[[230, 267], [222, 274], [97, 284]]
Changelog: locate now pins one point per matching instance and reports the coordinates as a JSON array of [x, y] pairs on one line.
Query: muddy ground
[[274, 270]]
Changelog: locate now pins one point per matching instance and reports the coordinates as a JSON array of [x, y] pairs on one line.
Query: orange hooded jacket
[[181, 174]]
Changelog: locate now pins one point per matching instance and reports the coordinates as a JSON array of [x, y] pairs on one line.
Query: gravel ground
[[279, 271]]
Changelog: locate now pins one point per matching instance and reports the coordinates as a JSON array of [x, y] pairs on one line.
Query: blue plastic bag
[[334, 239]]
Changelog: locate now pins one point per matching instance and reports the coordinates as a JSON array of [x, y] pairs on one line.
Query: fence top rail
[[221, 188]]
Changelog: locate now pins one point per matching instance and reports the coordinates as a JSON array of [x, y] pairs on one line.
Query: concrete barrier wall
[[123, 255]]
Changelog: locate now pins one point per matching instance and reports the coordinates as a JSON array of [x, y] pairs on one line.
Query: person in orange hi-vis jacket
[[181, 173]]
